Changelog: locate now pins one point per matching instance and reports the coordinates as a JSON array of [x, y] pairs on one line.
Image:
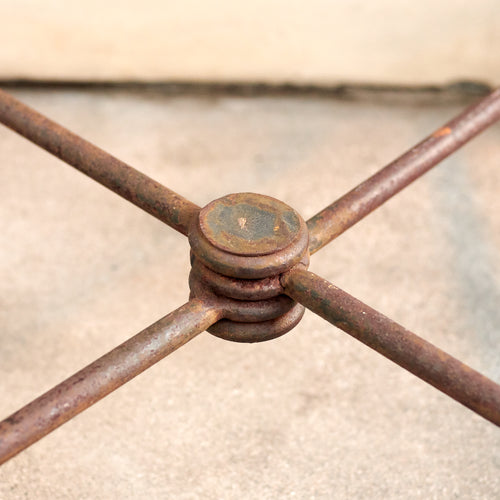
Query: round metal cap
[[249, 224]]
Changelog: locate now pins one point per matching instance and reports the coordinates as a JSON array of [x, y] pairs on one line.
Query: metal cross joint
[[249, 280], [240, 246]]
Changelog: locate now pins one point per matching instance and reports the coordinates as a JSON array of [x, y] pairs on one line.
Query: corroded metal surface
[[258, 332], [103, 376], [134, 186], [333, 220], [256, 249], [234, 288], [243, 311], [249, 224], [265, 237], [395, 342]]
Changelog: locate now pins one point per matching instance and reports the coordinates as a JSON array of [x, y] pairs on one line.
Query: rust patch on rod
[[129, 183], [104, 375], [333, 220], [396, 343]]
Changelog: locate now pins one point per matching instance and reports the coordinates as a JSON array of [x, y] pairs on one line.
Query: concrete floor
[[313, 414]]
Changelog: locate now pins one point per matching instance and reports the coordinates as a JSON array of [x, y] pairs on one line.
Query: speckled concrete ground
[[313, 414]]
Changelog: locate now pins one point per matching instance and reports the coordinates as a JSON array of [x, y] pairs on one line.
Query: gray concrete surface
[[313, 414]]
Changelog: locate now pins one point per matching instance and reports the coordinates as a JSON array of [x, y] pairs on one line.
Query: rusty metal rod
[[333, 220], [134, 186], [395, 342], [104, 375]]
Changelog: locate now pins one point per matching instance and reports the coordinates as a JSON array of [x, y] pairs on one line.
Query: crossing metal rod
[[156, 199], [104, 375], [395, 342], [333, 220]]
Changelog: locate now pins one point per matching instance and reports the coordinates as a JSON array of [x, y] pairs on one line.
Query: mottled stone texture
[[313, 414]]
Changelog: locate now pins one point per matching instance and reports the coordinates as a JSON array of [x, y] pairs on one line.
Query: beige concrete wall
[[319, 41]]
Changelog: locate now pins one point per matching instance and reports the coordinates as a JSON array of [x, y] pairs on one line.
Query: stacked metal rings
[[240, 245]]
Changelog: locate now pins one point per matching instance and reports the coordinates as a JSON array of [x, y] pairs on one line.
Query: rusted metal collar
[[240, 245]]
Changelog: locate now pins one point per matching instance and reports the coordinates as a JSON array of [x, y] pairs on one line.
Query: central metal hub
[[249, 236], [240, 244], [249, 224]]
